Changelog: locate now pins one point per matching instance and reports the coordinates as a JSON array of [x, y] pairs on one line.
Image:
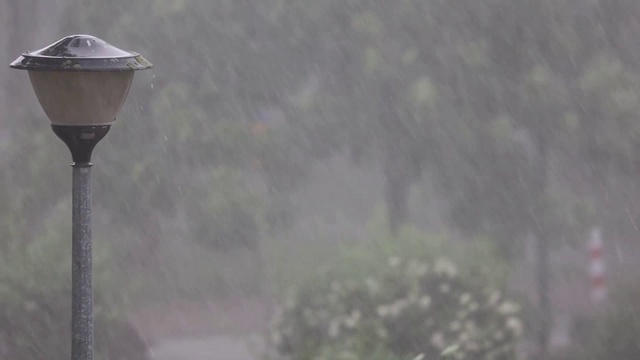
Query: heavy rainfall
[[335, 180]]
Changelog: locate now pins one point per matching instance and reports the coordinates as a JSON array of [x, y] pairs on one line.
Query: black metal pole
[[81, 141], [81, 274]]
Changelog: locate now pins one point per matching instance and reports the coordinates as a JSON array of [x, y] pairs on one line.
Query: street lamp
[[81, 83]]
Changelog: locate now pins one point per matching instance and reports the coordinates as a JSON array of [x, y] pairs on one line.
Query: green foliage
[[473, 256], [403, 308], [38, 327], [232, 212], [35, 293], [614, 333], [311, 269], [612, 91], [292, 264]]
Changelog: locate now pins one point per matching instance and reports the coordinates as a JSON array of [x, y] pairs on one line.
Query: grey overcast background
[[273, 137]]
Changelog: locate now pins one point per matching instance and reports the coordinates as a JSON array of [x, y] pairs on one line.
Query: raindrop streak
[[633, 222]]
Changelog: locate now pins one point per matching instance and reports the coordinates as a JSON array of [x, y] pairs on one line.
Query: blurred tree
[[377, 98], [197, 112], [547, 58]]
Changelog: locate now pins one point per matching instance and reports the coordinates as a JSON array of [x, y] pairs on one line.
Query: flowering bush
[[409, 310]]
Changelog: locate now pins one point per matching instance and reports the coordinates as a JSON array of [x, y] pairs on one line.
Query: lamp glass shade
[[81, 98]]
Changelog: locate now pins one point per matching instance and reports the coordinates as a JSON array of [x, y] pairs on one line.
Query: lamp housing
[[81, 80]]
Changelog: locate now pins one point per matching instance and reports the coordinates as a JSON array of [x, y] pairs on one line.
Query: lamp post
[[81, 83]]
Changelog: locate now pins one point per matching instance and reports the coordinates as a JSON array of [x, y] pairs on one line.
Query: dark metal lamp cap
[[81, 53]]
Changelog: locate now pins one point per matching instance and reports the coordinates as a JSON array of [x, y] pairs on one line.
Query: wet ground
[[203, 331], [208, 348]]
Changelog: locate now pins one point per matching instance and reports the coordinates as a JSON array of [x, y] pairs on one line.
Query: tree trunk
[[398, 164], [397, 185], [542, 276], [539, 230]]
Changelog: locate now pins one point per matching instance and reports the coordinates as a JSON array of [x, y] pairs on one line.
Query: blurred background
[[292, 146]]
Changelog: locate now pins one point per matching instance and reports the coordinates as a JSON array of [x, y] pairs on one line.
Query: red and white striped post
[[596, 266]]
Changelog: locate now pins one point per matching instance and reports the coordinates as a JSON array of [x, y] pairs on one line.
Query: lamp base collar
[[81, 140]]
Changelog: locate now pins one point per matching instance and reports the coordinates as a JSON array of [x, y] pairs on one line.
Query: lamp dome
[[81, 79]]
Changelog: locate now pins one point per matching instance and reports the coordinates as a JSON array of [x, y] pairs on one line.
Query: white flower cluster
[[444, 266], [444, 311]]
